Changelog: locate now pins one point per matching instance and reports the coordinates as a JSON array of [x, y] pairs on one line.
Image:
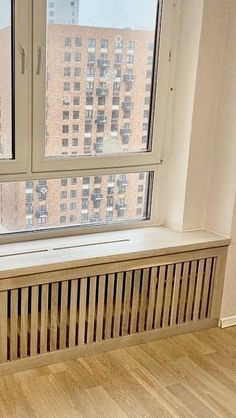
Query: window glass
[[114, 40], [6, 90], [94, 200]]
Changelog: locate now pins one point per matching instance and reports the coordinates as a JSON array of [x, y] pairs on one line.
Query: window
[[67, 56], [91, 43], [77, 127], [67, 72], [78, 42], [68, 41], [104, 43], [77, 57], [131, 45], [77, 72]]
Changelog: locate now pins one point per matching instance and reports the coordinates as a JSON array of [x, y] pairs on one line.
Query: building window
[[65, 129], [62, 219], [77, 56], [68, 41], [65, 142], [130, 59], [75, 114], [116, 101], [76, 101], [67, 56], [67, 72], [148, 87], [63, 182], [66, 86], [75, 142], [65, 115], [63, 194], [131, 45], [63, 207], [73, 193], [91, 43], [104, 43], [118, 58], [77, 71], [76, 86], [78, 42], [90, 71], [75, 128]]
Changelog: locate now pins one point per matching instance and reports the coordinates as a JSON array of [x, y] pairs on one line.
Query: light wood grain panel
[[24, 322], [175, 295], [205, 290], [152, 298], [183, 293], [34, 319], [126, 305], [160, 293], [198, 291], [3, 327], [135, 302], [143, 300], [109, 306], [14, 325], [100, 307], [63, 315], [44, 319], [91, 309], [82, 310], [54, 317], [73, 313], [118, 301], [168, 293], [192, 283]]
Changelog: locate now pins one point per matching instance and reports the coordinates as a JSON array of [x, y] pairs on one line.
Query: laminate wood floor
[[191, 375]]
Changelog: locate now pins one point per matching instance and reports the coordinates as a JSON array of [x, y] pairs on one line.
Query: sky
[[136, 14]]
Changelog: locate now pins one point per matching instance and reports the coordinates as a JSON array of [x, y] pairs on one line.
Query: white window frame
[[30, 162]]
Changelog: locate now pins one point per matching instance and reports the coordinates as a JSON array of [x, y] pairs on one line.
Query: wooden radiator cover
[[49, 317]]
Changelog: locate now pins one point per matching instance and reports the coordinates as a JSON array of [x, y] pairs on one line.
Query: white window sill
[[84, 250]]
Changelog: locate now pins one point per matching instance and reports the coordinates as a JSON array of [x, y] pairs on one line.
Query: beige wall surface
[[201, 159]]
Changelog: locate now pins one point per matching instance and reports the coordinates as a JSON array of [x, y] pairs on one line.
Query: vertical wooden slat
[[63, 314], [206, 285], [73, 313], [168, 291], [197, 298], [54, 317], [109, 306], [212, 285], [24, 322], [135, 302], [14, 325], [82, 310], [44, 319], [100, 307], [91, 310], [217, 287], [117, 314], [183, 293], [143, 301], [3, 326], [192, 283], [175, 296], [160, 292], [152, 295], [34, 320], [126, 307]]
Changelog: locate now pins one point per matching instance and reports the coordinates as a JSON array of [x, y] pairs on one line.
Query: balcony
[[41, 189], [97, 196], [103, 63], [120, 206], [102, 92], [89, 92], [127, 105], [41, 214], [101, 119], [122, 183], [129, 77]]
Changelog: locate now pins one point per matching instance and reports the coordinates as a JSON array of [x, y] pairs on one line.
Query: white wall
[[200, 164]]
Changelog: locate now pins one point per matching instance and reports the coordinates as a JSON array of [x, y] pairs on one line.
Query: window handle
[[39, 59], [23, 55]]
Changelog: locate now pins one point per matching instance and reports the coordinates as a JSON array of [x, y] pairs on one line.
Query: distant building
[[63, 12]]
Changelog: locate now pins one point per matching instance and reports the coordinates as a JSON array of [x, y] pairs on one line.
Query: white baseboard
[[229, 321]]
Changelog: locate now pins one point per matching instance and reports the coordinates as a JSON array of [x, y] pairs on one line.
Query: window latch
[[39, 59], [23, 54]]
